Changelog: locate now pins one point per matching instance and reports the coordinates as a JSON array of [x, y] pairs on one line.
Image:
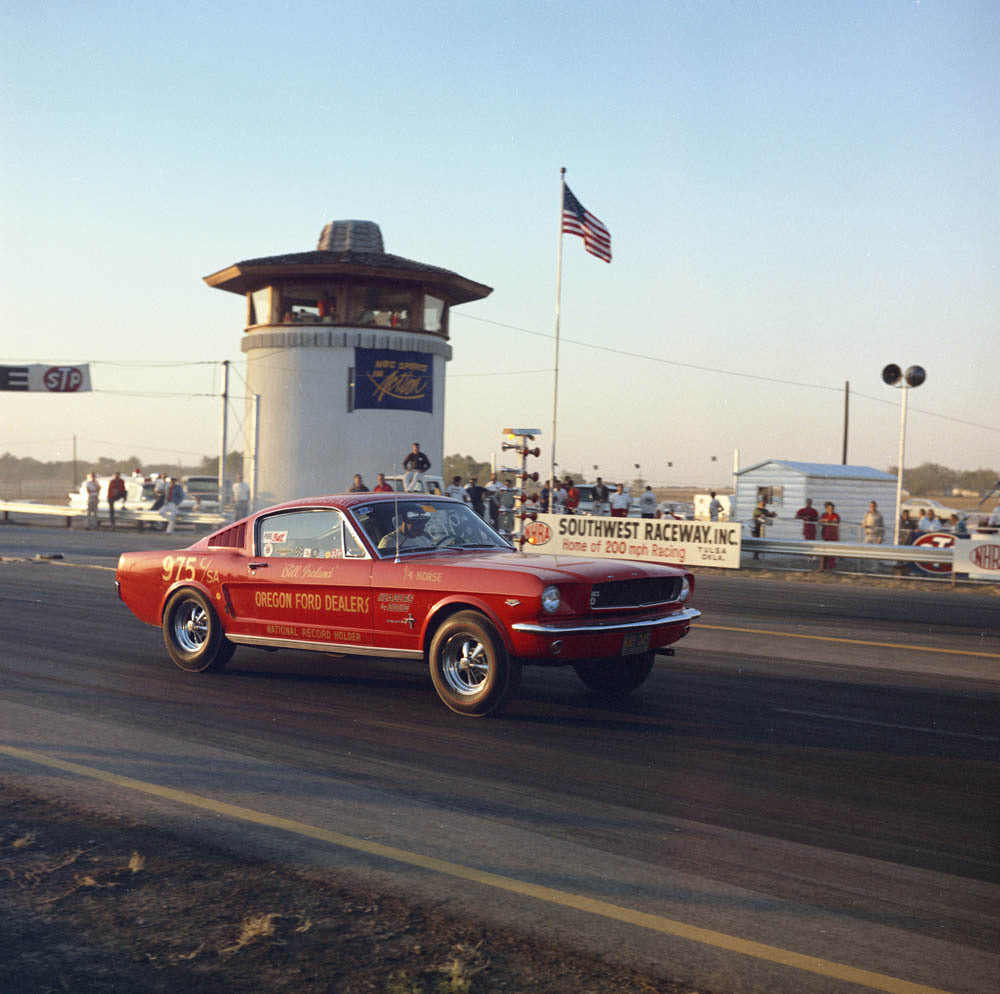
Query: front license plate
[[635, 642]]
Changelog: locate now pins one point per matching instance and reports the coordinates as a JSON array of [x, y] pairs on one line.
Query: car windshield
[[422, 525]]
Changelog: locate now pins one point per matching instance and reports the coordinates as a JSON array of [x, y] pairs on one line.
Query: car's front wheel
[[616, 677], [471, 669], [193, 634]]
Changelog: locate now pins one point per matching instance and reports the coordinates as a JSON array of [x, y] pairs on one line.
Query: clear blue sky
[[798, 193]]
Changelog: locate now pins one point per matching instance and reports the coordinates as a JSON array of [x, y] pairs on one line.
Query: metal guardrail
[[123, 516], [849, 550]]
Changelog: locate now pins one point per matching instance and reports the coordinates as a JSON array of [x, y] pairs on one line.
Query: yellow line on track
[[831, 638], [604, 909]]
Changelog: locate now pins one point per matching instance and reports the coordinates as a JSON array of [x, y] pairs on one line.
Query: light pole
[[894, 377]]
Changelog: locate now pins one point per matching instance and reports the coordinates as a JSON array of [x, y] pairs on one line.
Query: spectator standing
[[559, 496], [830, 531], [714, 507], [241, 498], [873, 525], [572, 496], [456, 489], [933, 521], [924, 522], [358, 486], [958, 527], [505, 519], [116, 491], [620, 501], [761, 516], [172, 503], [648, 503], [474, 494], [415, 464], [808, 516], [601, 496], [907, 528], [382, 486], [93, 501], [492, 488], [159, 492]]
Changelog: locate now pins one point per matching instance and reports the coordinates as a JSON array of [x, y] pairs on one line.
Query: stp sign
[[936, 540], [62, 379]]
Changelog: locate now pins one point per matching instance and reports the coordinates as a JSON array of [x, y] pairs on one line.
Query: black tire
[[616, 677], [193, 634], [471, 669]]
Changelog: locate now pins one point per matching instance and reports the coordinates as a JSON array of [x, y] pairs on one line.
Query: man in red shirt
[[572, 496], [809, 516], [381, 487]]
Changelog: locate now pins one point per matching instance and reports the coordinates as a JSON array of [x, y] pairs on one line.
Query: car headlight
[[685, 590], [550, 599]]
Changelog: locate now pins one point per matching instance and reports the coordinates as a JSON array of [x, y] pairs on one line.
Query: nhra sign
[[385, 380], [39, 378], [979, 556], [648, 540]]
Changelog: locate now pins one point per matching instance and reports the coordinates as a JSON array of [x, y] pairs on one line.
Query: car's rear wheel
[[616, 677], [193, 634], [471, 669]]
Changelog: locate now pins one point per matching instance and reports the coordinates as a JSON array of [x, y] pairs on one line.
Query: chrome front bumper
[[562, 629]]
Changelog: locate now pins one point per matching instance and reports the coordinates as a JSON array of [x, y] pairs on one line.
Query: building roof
[[252, 274], [824, 471]]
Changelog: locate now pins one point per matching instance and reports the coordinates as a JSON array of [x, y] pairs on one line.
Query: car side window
[[309, 533]]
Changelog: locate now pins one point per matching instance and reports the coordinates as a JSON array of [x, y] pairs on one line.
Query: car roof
[[346, 501]]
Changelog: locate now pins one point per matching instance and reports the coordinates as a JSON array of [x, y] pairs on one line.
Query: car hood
[[551, 568]]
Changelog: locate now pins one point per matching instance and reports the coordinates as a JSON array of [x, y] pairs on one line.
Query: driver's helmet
[[416, 519]]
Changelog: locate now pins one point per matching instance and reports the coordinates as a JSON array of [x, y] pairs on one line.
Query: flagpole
[[555, 381]]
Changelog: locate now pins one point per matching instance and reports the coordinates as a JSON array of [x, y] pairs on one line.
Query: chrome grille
[[639, 592]]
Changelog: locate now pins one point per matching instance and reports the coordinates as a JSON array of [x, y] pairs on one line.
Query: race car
[[409, 576]]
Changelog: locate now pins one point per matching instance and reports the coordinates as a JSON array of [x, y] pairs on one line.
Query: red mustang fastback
[[407, 576]]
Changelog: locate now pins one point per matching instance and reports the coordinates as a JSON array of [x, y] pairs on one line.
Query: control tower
[[346, 349]]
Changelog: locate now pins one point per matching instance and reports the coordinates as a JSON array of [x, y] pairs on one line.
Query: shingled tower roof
[[346, 249]]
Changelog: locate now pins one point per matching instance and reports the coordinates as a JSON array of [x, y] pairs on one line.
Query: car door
[[308, 582]]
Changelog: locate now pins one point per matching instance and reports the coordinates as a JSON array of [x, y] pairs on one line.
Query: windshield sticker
[[278, 537]]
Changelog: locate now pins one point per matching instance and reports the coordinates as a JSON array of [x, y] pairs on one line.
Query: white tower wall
[[308, 442]]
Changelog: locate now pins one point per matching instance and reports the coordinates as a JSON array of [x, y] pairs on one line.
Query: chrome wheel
[[193, 633], [465, 664], [190, 626], [470, 667]]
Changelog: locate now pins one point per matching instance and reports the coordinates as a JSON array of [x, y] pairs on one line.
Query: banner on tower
[[39, 377], [393, 381]]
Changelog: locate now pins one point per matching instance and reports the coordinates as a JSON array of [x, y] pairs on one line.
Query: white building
[[785, 485], [346, 349]]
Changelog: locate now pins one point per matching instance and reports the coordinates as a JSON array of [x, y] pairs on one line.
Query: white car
[[942, 511]]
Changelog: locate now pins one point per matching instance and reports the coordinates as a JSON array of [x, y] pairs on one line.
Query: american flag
[[577, 220]]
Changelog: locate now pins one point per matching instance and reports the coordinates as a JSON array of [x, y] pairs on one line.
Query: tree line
[[927, 480]]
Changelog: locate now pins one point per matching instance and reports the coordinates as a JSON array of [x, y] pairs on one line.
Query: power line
[[710, 369]]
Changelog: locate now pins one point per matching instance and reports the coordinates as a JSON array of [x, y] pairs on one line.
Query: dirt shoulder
[[91, 903]]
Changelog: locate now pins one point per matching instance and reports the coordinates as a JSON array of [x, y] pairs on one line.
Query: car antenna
[[395, 507]]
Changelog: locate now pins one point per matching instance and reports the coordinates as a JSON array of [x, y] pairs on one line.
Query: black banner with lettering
[[393, 381]]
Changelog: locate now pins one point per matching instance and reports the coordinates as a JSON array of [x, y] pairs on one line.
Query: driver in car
[[408, 534]]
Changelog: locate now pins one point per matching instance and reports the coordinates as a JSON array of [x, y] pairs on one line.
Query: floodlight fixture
[[893, 376]]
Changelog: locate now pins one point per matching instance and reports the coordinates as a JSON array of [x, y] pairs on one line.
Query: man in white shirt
[[620, 501]]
